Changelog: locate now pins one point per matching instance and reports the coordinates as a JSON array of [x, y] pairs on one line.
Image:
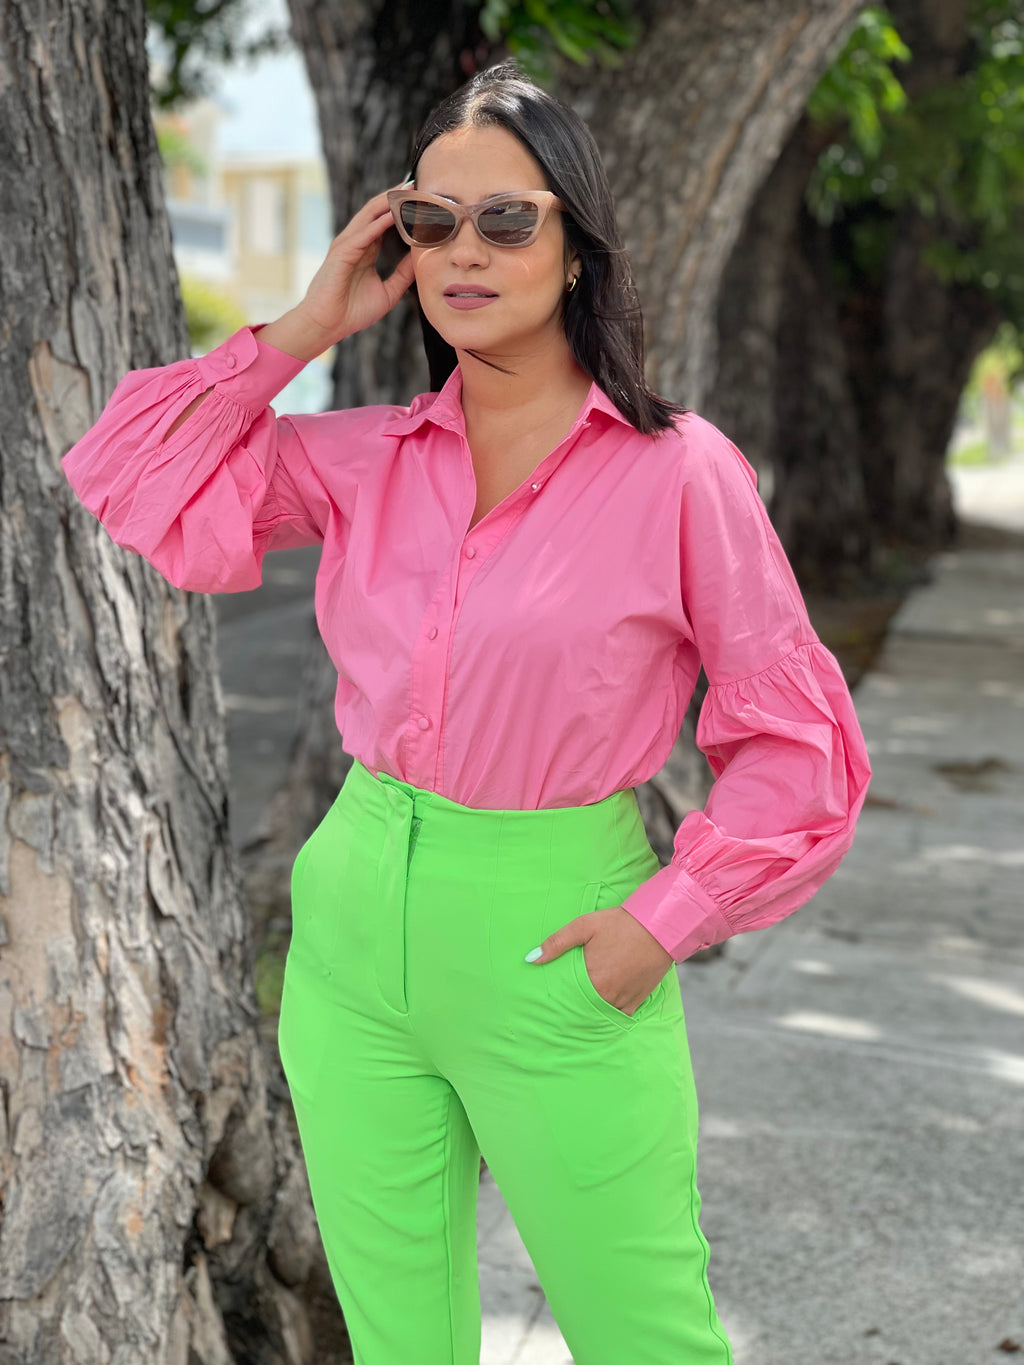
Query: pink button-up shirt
[[543, 658]]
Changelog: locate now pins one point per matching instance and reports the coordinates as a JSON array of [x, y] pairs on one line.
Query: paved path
[[991, 493], [861, 1065]]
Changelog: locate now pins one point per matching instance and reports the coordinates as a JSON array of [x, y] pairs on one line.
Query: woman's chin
[[465, 330], [471, 334], [485, 343]]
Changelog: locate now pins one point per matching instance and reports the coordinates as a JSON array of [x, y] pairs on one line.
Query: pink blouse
[[543, 658]]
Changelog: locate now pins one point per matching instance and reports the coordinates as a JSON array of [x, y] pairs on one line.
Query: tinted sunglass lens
[[511, 223], [427, 224]]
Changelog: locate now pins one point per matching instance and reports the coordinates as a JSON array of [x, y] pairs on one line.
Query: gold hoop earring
[[572, 284]]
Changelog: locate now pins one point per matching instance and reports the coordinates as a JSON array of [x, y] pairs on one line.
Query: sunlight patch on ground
[[991, 993], [922, 725], [973, 853], [834, 1025], [812, 967], [1007, 1066]]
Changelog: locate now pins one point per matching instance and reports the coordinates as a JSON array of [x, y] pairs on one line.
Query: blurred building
[[253, 228]]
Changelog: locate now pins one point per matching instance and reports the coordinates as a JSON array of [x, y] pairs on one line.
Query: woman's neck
[[528, 391]]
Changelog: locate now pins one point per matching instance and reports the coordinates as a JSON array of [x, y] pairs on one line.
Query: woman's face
[[526, 285]]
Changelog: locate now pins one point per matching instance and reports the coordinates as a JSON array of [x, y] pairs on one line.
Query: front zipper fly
[[413, 835]]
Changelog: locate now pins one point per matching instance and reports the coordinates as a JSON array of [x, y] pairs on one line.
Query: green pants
[[414, 1038]]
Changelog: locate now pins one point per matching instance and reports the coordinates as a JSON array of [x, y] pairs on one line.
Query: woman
[[521, 575]]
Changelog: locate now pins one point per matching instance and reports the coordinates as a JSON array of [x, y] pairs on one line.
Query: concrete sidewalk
[[860, 1065]]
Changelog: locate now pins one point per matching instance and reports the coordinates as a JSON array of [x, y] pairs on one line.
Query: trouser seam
[[713, 1323], [446, 1210], [615, 826]]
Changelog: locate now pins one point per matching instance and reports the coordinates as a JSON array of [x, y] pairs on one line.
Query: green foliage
[[212, 314], [974, 453], [859, 87], [196, 38], [1002, 359], [541, 34], [954, 153]]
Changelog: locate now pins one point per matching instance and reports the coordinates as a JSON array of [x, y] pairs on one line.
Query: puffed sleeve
[[777, 726], [234, 480]]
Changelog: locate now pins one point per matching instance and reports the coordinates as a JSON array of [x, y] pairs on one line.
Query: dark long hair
[[601, 316]]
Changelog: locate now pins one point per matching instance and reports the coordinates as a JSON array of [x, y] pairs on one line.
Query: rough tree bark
[[689, 126], [910, 341], [783, 391], [750, 302], [847, 393], [143, 1174]]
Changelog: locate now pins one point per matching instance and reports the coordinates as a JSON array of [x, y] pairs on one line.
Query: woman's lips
[[469, 298]]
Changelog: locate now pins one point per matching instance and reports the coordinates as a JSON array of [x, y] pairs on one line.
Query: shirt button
[[423, 723], [535, 486], [230, 361], [432, 633], [470, 551]]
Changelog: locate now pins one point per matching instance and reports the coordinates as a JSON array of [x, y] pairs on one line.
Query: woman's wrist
[[295, 335]]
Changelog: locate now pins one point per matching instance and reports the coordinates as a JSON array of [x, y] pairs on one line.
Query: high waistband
[[407, 831], [574, 842], [441, 808]]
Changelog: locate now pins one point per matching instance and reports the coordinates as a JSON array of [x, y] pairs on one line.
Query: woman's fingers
[[373, 210], [368, 225], [346, 290], [400, 279]]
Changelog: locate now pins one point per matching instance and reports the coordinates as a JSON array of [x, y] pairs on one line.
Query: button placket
[[432, 650], [427, 683]]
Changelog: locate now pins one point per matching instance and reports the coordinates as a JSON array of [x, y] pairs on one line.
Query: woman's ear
[[573, 268]]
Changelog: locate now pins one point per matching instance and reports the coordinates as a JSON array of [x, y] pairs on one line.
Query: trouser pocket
[[601, 896]]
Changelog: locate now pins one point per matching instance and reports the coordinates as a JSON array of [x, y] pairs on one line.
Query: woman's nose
[[467, 247]]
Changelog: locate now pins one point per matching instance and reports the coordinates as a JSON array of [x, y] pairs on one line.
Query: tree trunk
[[910, 339], [140, 1157], [910, 342], [819, 505], [849, 394], [742, 399], [689, 127], [847, 387]]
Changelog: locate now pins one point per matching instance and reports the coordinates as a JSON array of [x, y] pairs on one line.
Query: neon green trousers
[[414, 1037]]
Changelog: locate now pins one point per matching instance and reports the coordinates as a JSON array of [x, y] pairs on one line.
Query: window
[[265, 223]]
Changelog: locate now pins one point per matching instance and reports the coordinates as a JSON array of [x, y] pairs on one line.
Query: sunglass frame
[[546, 200]]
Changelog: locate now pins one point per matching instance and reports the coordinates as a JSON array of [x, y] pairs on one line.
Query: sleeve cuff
[[681, 916], [247, 370]]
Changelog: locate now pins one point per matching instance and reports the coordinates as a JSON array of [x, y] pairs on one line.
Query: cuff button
[[230, 362]]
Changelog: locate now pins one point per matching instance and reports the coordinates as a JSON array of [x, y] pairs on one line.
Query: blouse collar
[[444, 408]]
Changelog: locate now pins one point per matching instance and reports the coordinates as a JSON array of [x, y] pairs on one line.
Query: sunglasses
[[503, 220]]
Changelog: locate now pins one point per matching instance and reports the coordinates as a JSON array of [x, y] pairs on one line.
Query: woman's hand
[[625, 961], [346, 294]]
